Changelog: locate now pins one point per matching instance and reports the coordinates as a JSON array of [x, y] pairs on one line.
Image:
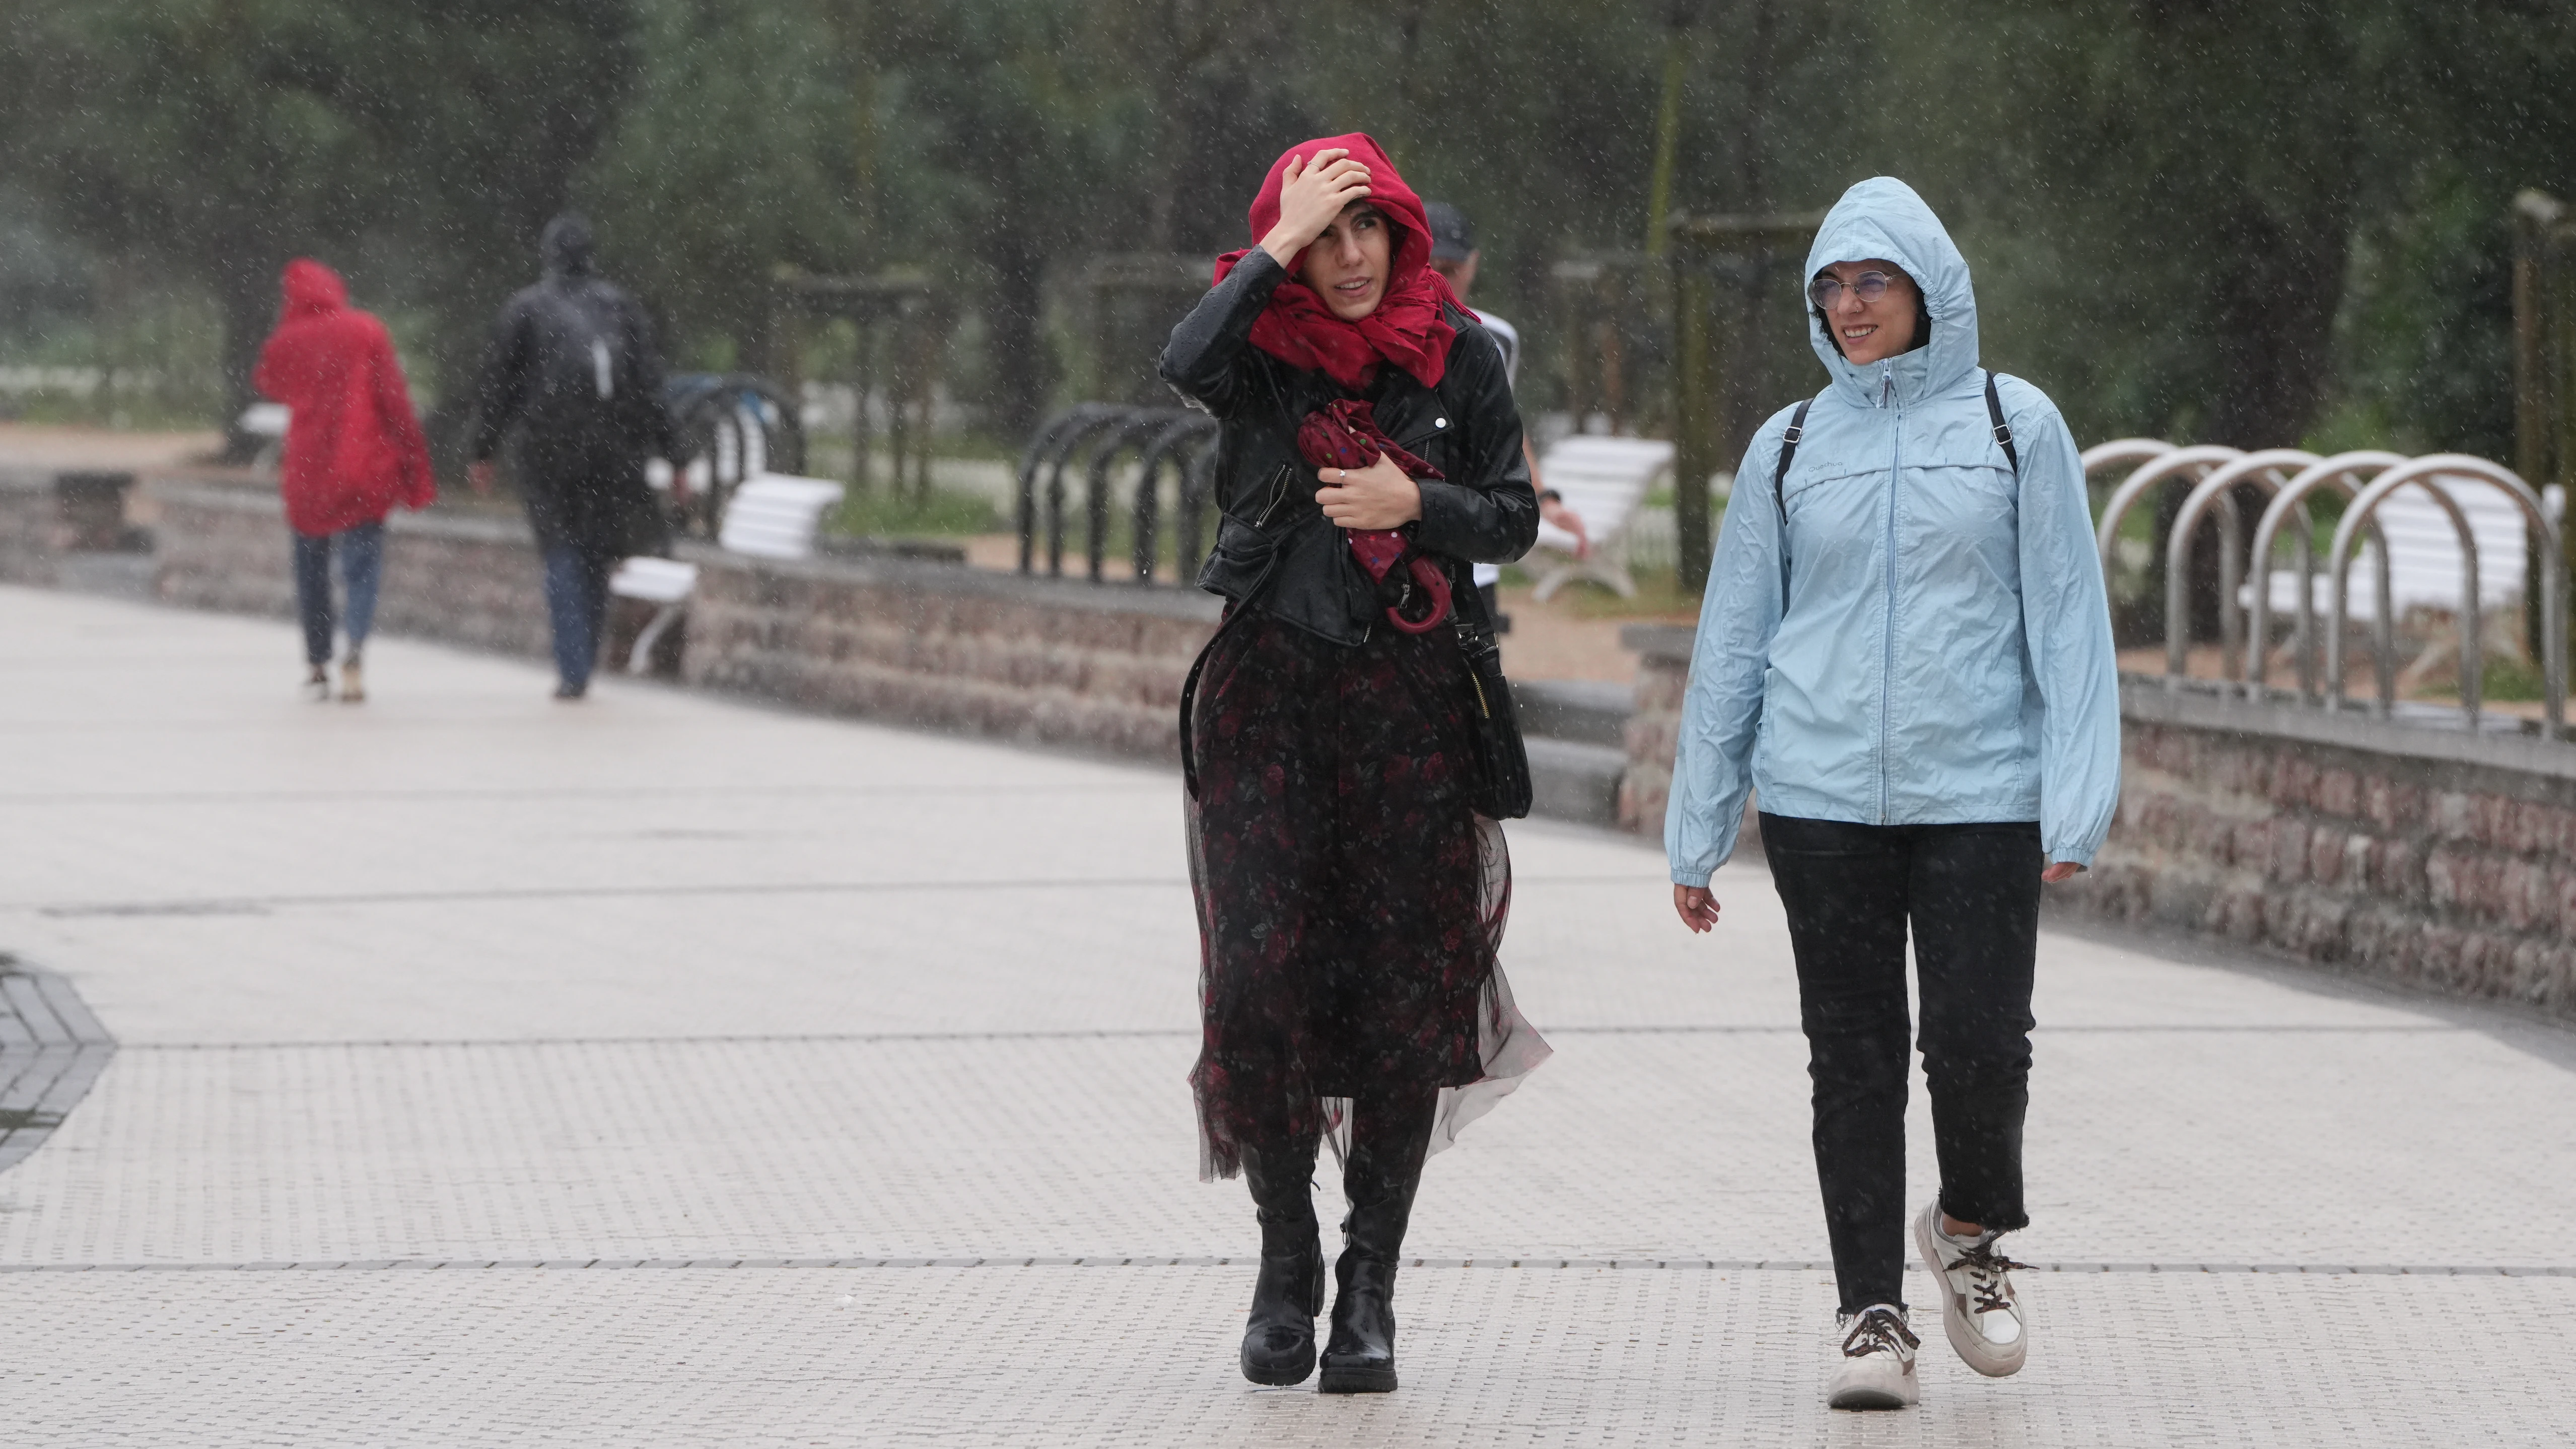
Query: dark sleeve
[[1203, 361], [1486, 511], [502, 388]]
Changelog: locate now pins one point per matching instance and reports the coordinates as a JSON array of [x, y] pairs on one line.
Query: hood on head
[[1884, 218], [310, 287], [1387, 192], [566, 247]]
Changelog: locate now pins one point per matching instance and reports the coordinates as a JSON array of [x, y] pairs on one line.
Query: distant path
[[48, 445]]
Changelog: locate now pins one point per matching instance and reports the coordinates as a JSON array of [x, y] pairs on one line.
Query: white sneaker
[[1877, 1369], [1979, 1310]]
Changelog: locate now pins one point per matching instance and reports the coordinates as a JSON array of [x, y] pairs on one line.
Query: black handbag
[[1503, 785]]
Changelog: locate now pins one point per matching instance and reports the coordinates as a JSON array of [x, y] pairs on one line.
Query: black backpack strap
[[2003, 430], [1780, 486]]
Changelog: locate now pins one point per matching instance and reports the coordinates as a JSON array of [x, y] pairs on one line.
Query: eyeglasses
[[1827, 290]]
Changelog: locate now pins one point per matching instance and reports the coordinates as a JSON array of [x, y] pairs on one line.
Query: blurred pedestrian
[[1905, 651], [573, 368], [1457, 258], [353, 451], [1350, 895]]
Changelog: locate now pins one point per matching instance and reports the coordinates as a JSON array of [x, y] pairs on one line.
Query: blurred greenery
[[876, 513], [2229, 220]]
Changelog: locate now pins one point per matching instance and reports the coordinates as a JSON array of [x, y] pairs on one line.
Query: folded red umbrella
[[1346, 435]]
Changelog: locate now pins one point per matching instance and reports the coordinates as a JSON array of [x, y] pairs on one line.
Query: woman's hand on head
[[1696, 907], [1380, 495], [1312, 194]]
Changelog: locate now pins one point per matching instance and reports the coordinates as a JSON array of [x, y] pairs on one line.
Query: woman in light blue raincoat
[[1905, 653]]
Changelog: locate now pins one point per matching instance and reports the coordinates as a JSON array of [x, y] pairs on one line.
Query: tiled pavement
[[437, 1015]]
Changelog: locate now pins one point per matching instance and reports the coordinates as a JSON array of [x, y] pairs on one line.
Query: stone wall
[[464, 579], [2409, 853], [29, 524], [2414, 855], [993, 654], [1654, 730]]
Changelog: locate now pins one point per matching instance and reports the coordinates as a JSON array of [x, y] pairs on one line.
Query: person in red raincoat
[[353, 451]]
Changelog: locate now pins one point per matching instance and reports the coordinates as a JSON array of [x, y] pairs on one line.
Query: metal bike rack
[[2367, 477], [2262, 469], [1159, 439], [2193, 463], [1168, 446], [1048, 452], [1130, 431], [2426, 473], [2343, 471]]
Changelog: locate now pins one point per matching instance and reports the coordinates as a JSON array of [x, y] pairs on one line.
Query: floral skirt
[[1350, 899]]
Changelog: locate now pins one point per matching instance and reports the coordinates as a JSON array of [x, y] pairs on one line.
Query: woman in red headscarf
[[1350, 896]]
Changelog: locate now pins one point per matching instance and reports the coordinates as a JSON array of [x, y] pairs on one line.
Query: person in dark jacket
[[353, 452], [573, 368], [1350, 897]]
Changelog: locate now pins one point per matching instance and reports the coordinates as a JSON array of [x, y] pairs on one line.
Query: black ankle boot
[[1385, 1167], [1360, 1358], [1279, 1337]]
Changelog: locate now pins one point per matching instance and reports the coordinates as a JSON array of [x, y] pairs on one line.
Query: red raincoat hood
[[1409, 327], [312, 289], [353, 446]]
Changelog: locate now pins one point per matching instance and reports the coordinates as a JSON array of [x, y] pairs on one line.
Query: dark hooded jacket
[[573, 375]]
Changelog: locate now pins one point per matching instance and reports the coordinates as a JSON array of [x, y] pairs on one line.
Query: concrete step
[[1589, 711], [1570, 780]]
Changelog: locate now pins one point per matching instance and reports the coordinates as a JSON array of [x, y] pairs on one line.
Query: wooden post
[[1694, 412], [1716, 365], [2534, 427]]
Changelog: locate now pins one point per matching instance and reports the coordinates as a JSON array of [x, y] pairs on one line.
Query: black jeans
[[1971, 895]]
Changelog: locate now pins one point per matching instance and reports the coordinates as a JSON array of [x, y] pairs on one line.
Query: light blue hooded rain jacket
[[1944, 656]]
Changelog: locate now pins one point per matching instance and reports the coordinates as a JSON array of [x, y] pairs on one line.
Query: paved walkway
[[663, 1070]]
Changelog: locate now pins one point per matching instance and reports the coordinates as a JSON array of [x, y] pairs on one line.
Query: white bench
[[772, 515], [1603, 479], [266, 421], [2425, 566]]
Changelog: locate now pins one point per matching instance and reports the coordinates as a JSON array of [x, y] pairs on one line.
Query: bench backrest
[[776, 515], [1604, 478], [2424, 549]]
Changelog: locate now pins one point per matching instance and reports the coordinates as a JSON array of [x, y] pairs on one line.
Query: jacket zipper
[[1278, 495], [1887, 663]]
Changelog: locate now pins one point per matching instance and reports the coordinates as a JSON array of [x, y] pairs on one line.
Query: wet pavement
[[668, 1070]]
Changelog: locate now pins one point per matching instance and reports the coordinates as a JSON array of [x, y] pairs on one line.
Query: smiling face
[[1872, 330], [1347, 265]]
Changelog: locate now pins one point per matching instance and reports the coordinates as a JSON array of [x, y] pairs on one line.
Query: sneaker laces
[[1879, 1330], [1986, 1267]]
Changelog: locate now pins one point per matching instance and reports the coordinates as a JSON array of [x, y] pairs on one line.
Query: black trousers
[[1970, 894]]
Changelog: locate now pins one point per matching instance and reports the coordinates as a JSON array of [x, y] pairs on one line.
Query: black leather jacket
[[1468, 428]]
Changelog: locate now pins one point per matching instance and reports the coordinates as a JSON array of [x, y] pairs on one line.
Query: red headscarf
[[1407, 329]]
